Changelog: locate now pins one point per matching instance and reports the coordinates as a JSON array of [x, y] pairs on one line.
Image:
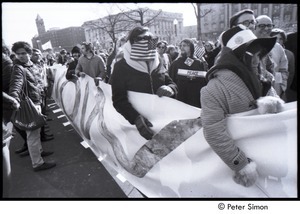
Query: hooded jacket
[[132, 75], [231, 89]]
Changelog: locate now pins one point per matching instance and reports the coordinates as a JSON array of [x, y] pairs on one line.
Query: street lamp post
[[175, 22]]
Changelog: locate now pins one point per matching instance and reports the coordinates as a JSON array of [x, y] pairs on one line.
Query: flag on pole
[[47, 45], [199, 51]]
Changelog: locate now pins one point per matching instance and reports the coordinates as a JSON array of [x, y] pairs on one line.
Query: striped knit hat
[[240, 39]]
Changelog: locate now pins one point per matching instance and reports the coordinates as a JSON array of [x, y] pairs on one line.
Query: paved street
[[78, 174]]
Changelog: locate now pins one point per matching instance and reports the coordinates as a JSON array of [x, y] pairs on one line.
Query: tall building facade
[[166, 26], [284, 16], [65, 38], [40, 25]]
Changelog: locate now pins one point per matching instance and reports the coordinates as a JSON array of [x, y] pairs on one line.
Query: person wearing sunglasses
[[161, 48], [279, 67], [140, 70]]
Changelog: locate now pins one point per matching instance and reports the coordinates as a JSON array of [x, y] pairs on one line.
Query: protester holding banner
[[140, 70], [188, 73], [91, 64], [72, 66], [234, 86], [25, 68]]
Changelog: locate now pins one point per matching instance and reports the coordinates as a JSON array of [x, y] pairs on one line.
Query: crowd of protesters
[[251, 59]]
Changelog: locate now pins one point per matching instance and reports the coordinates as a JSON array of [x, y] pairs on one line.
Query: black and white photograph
[[142, 101]]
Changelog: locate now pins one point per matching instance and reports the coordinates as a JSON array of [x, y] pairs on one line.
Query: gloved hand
[[247, 176], [97, 80], [142, 125], [165, 90], [269, 104]]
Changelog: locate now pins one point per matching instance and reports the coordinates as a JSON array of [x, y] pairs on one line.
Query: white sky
[[18, 19]]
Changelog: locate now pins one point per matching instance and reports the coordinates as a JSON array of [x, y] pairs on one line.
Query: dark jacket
[[7, 65], [189, 86], [32, 84], [125, 78], [71, 69]]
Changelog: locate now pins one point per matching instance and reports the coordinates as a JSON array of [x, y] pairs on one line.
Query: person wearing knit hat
[[234, 86], [72, 66], [244, 17], [188, 72]]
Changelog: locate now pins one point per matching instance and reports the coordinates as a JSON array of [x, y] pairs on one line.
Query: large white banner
[[178, 162]]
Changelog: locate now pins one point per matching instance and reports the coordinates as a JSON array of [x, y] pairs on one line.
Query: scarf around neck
[[227, 60]]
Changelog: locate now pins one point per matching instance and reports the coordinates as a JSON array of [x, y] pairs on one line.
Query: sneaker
[[44, 166], [22, 149]]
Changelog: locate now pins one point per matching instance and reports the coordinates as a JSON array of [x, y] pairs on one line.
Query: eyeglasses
[[264, 25], [161, 47], [248, 22]]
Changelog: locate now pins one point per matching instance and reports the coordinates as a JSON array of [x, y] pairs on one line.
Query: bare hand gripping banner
[[178, 162]]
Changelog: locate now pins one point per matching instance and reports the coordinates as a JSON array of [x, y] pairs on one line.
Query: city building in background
[[65, 38], [284, 16], [167, 26]]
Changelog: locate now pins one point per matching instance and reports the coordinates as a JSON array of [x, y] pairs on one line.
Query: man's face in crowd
[[264, 27], [185, 49], [22, 55], [247, 20]]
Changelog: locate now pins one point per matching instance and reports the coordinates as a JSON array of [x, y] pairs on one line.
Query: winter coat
[[128, 78], [7, 65], [33, 83], [189, 80], [231, 89], [71, 69]]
